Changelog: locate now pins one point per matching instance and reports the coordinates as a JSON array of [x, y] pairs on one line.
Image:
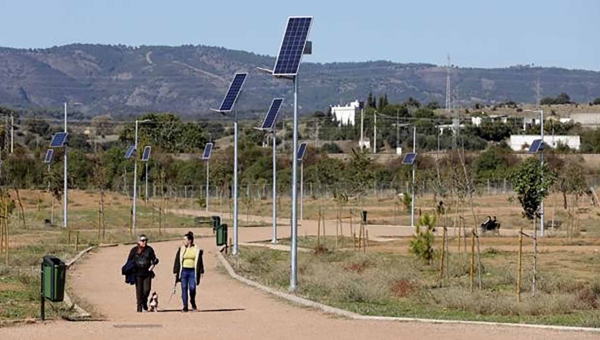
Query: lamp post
[[135, 146], [541, 112]]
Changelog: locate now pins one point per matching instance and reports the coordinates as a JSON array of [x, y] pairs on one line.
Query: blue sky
[[481, 33]]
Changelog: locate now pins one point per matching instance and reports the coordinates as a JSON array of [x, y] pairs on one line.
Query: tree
[[562, 98], [433, 105], [571, 180], [532, 183], [103, 124], [421, 244], [596, 101]]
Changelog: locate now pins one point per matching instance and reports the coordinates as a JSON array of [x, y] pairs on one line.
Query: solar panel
[[409, 158], [49, 156], [292, 46], [301, 151], [130, 151], [271, 116], [146, 154], [232, 94], [58, 140], [207, 151], [536, 146]]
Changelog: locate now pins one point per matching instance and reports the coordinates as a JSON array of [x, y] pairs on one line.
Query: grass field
[[395, 284]]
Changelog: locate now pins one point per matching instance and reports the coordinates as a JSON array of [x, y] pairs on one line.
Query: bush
[[421, 244], [331, 148]]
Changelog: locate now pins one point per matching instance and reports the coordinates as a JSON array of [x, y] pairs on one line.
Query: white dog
[[153, 302]]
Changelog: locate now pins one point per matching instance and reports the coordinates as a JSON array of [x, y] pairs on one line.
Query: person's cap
[[142, 237]]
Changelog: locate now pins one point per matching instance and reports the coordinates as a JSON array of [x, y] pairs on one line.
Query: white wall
[[346, 114], [517, 141]]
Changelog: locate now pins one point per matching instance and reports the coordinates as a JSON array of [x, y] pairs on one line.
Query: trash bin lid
[[52, 260]]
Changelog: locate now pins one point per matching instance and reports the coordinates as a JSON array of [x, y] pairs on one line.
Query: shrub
[[421, 244]]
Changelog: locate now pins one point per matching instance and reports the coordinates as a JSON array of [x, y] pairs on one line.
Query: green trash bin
[[222, 235], [54, 273], [216, 222], [364, 216]]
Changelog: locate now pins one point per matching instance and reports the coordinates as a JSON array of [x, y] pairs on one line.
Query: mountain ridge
[[191, 79]]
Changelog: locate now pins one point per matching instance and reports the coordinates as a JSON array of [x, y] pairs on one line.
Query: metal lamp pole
[[235, 184], [146, 182], [541, 112], [133, 220], [274, 140], [207, 182], [412, 203], [65, 174], [294, 243]]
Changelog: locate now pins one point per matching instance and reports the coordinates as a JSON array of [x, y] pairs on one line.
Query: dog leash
[[173, 291]]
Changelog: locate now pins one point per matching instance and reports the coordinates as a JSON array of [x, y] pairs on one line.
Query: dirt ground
[[229, 309]]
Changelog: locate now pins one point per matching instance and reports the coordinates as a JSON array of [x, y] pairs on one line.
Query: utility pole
[[362, 121], [542, 169], [12, 133], [375, 132], [397, 130]]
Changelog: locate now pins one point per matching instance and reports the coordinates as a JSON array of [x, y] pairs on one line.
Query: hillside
[[191, 79]]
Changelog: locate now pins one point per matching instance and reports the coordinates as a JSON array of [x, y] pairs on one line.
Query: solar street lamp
[[293, 46], [206, 157], [269, 126], [409, 159], [146, 159], [58, 141], [538, 146], [133, 149], [226, 107]]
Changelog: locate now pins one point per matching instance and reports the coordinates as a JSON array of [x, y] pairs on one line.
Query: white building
[[476, 121], [591, 119], [522, 142], [346, 114]]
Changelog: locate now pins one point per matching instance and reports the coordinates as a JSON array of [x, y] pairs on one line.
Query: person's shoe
[[139, 309], [145, 307], [194, 307], [184, 310]]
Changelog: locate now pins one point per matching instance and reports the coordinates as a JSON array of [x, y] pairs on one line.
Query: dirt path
[[229, 309]]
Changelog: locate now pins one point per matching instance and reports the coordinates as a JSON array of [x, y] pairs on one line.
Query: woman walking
[[188, 269], [144, 259]]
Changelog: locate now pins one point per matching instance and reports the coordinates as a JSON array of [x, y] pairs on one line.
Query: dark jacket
[[128, 270], [178, 266], [142, 262]]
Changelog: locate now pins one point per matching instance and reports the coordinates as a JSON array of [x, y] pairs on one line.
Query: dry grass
[[397, 285]]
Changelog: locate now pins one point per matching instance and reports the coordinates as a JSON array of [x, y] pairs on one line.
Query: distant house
[[346, 114], [522, 142], [476, 121], [591, 120]]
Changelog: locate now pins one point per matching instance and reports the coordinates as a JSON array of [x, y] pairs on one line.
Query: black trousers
[[143, 285]]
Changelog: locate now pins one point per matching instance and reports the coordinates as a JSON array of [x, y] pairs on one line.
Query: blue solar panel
[[207, 151], [292, 46], [130, 151], [146, 154], [232, 94], [49, 156], [536, 146], [58, 140], [301, 151], [409, 158], [271, 116]]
